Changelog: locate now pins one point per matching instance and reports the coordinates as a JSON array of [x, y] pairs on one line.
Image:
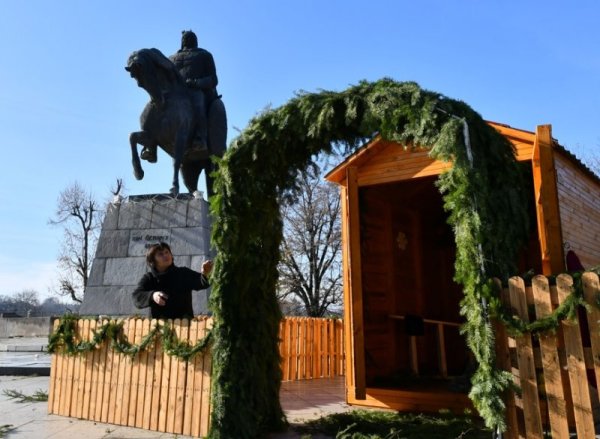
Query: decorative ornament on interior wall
[[401, 240]]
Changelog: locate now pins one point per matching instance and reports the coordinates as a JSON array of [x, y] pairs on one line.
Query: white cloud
[[18, 275]]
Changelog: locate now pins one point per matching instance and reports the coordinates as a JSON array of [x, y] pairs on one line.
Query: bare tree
[[80, 216], [117, 190], [310, 272], [23, 303]]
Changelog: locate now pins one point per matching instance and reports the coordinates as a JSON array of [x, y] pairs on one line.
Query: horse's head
[[135, 68], [153, 71]]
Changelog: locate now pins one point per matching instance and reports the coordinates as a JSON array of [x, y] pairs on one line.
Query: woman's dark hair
[[153, 249]]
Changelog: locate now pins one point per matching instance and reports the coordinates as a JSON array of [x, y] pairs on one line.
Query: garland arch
[[482, 196]]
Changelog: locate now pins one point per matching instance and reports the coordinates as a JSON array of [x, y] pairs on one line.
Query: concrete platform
[[23, 344], [301, 401], [24, 356]]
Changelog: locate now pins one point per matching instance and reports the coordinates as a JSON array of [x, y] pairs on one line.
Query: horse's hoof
[[138, 174], [149, 155], [174, 191]]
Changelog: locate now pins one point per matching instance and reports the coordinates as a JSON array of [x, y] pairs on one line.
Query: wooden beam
[[546, 200], [356, 299], [348, 339]]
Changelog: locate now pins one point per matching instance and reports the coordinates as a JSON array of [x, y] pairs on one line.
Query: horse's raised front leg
[[135, 138], [180, 143]]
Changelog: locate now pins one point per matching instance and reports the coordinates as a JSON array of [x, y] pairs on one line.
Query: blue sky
[[67, 106]]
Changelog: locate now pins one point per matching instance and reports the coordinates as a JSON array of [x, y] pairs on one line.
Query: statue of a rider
[[197, 68]]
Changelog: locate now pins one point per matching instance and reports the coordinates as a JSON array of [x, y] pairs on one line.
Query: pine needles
[[5, 429], [375, 424], [20, 397]]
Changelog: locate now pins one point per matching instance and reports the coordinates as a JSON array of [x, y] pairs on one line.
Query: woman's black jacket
[[177, 283]]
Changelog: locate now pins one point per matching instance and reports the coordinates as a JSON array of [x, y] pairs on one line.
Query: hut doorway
[[411, 303]]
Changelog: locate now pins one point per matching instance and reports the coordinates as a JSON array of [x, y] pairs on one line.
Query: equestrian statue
[[185, 116]]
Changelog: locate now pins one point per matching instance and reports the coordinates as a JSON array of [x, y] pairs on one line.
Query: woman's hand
[[207, 267], [160, 298]]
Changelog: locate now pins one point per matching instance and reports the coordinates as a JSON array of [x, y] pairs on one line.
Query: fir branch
[[38, 395], [5, 429]]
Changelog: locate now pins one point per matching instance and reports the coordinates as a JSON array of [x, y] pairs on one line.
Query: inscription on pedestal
[[141, 240]]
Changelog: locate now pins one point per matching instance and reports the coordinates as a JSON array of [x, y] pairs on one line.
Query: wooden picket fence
[[557, 372], [311, 348], [151, 390], [155, 391]]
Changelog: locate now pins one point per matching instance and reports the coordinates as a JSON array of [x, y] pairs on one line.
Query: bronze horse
[[168, 121]]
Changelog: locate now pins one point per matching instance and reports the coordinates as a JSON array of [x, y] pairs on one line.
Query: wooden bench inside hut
[[402, 307]]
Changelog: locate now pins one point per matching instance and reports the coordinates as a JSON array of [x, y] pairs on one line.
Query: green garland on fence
[[64, 336], [567, 310], [483, 194]]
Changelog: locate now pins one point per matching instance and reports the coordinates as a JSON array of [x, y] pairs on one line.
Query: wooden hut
[[401, 306]]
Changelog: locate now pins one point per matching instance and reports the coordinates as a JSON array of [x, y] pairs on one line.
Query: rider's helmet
[[188, 40]]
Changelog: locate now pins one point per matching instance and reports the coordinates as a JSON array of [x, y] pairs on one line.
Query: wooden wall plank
[[591, 290], [316, 351], [582, 405], [152, 387], [100, 371], [89, 370], [347, 321], [83, 326], [285, 335], [94, 370], [68, 387], [54, 386], [183, 335], [525, 359], [356, 296], [173, 380], [157, 385], [206, 386], [141, 384], [197, 420], [120, 381], [127, 362], [557, 409], [504, 362], [136, 366], [165, 387], [61, 382], [111, 396], [294, 349], [301, 349], [190, 381]]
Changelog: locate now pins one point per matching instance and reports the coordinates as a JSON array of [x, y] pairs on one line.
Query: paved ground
[[19, 357], [301, 401]]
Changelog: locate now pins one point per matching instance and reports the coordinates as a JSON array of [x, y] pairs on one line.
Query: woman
[[166, 288]]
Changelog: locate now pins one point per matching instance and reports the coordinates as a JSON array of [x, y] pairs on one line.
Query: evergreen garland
[[567, 310], [483, 196], [64, 336]]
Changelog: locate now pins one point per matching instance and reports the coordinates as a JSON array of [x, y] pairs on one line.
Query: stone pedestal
[[129, 228]]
